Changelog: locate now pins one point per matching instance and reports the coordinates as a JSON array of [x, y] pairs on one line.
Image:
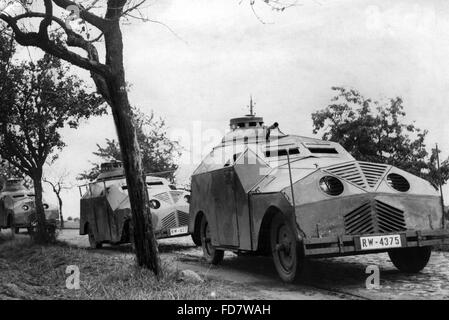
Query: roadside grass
[[29, 271]]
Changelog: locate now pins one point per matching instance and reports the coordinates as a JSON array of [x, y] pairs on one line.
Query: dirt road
[[334, 278]]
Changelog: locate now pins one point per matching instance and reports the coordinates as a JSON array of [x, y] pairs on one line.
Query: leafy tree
[[6, 52], [437, 176], [90, 22], [376, 132], [42, 99], [158, 151]]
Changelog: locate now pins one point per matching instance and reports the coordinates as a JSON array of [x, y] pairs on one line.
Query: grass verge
[[29, 271]]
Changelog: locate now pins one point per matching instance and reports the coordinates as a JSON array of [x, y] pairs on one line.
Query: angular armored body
[[17, 207], [106, 211], [297, 197]]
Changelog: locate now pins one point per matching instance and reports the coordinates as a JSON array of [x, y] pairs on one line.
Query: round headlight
[[45, 206], [331, 186], [398, 182], [155, 204], [25, 207]]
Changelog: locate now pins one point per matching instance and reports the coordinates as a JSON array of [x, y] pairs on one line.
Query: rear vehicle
[[295, 197], [105, 209], [18, 210]]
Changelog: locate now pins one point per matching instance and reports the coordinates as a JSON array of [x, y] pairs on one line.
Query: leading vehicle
[[296, 197]]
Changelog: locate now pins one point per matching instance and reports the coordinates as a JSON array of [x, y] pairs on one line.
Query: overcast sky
[[222, 53]]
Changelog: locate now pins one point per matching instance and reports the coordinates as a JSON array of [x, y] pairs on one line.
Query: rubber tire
[[196, 238], [211, 254], [410, 260], [280, 225], [93, 244]]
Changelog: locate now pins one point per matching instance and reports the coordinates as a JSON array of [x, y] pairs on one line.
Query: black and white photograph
[[224, 155]]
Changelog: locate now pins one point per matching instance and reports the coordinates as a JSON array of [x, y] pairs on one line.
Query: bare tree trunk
[[144, 239], [41, 234], [61, 218]]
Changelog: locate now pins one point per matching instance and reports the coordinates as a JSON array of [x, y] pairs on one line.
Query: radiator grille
[[164, 196], [377, 218], [360, 220], [373, 172], [389, 218], [183, 218], [363, 174], [169, 221], [350, 172]]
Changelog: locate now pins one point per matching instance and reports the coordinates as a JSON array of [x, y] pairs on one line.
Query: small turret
[[14, 184], [250, 128], [110, 170], [248, 121]]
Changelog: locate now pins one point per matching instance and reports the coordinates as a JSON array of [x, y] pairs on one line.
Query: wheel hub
[[284, 247]]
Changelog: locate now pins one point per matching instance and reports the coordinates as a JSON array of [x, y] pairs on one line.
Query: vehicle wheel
[[196, 239], [410, 260], [286, 257], [92, 242], [212, 255], [17, 230]]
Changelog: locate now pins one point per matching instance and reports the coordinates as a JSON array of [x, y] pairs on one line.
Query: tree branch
[[37, 40], [91, 18], [46, 22]]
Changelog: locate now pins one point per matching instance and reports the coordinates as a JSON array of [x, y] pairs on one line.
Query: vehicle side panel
[[243, 216], [224, 206], [202, 201], [106, 225], [213, 194], [249, 171], [260, 204]]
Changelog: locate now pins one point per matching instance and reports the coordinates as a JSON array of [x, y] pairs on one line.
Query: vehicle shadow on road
[[127, 248], [172, 247], [316, 272]]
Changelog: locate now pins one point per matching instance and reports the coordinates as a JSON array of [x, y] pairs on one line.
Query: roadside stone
[[190, 277]]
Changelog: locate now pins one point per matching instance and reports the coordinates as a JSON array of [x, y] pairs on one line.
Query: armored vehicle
[[17, 207], [295, 197], [105, 210]]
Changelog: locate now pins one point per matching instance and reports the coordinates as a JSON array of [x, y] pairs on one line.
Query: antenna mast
[[251, 106]]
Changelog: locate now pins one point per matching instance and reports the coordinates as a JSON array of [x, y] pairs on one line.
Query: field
[[72, 224]]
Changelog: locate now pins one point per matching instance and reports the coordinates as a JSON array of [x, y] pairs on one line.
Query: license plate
[[180, 230], [380, 242]]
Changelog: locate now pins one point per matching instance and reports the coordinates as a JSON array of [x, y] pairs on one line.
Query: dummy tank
[[296, 197], [18, 210], [105, 210]]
